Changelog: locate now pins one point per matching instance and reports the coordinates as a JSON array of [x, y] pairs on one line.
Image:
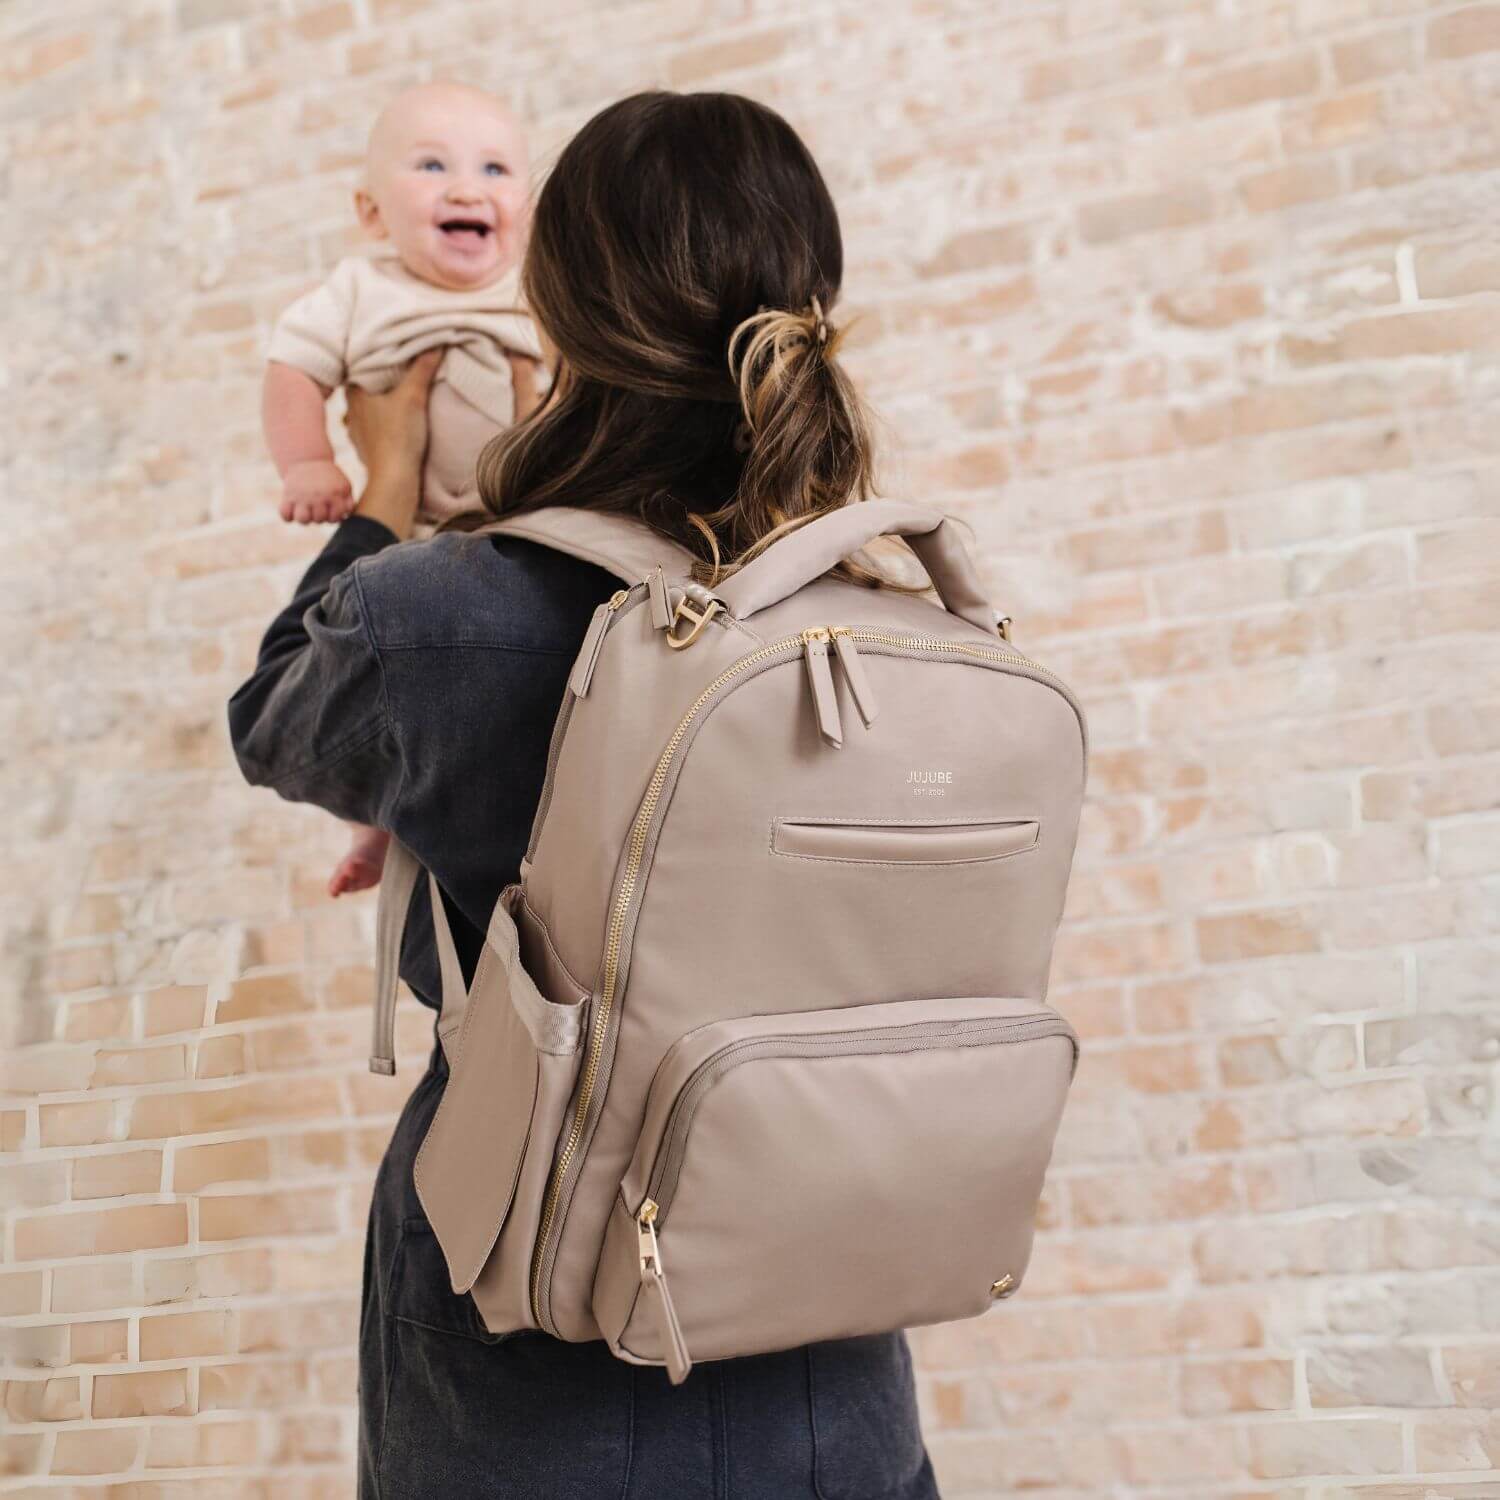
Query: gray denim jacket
[[414, 686]]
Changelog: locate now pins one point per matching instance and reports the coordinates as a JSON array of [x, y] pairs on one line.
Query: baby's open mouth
[[459, 228]]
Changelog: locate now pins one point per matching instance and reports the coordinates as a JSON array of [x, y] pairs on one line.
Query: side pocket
[[492, 1139]]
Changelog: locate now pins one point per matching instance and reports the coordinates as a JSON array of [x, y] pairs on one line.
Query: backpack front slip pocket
[[825, 1174], [903, 842], [484, 1162]]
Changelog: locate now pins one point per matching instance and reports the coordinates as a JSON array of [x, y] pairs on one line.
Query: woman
[[684, 253]]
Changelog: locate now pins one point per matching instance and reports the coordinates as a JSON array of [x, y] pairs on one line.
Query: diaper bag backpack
[[757, 1052]]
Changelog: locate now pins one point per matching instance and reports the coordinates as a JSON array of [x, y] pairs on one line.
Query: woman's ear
[[367, 211]]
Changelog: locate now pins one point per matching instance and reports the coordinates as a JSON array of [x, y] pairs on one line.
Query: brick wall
[[1194, 309]]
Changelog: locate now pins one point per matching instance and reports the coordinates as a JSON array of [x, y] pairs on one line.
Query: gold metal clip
[[685, 611]]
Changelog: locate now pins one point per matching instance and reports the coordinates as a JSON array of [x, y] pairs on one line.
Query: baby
[[445, 191]]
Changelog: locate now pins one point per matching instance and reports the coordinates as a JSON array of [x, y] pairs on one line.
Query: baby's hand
[[317, 490]]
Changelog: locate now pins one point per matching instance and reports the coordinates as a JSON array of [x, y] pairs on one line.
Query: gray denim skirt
[[447, 1408]]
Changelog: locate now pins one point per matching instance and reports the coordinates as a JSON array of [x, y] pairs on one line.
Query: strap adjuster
[[699, 618]]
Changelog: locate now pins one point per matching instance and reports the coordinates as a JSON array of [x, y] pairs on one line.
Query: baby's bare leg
[[361, 865]]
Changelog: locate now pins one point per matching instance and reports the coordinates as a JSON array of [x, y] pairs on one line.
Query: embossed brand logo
[[929, 783]]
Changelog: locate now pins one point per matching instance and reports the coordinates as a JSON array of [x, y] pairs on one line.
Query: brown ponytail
[[682, 254]]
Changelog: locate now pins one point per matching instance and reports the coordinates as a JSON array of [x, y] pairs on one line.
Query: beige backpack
[[757, 1052]]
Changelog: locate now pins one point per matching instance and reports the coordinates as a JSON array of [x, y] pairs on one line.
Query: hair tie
[[820, 323]]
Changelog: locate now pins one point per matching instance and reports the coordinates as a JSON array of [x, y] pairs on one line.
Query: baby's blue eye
[[429, 164], [496, 169]]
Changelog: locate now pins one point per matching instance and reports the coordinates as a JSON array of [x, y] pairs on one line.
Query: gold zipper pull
[[654, 1283], [854, 673], [588, 653], [645, 1234], [820, 678]]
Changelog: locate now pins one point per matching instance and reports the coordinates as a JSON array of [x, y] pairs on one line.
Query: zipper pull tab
[[854, 673], [661, 608], [588, 653], [820, 677], [654, 1284]]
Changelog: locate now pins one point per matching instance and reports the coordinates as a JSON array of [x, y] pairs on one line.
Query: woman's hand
[[389, 432], [523, 371]]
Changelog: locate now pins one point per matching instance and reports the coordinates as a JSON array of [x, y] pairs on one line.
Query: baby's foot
[[360, 868]]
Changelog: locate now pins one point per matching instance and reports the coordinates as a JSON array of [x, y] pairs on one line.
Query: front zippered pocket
[[827, 1173]]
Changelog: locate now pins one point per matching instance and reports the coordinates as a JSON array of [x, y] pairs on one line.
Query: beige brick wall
[[1194, 308]]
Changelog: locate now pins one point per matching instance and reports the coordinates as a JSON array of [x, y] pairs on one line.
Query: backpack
[[757, 1051]]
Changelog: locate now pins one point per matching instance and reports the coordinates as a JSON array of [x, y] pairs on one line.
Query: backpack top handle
[[809, 551]]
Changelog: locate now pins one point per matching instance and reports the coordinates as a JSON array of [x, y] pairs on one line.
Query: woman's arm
[[311, 720], [389, 433]]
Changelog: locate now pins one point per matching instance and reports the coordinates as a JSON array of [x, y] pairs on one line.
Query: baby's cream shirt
[[367, 322], [372, 317]]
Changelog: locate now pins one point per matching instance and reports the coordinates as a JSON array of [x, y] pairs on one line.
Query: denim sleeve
[[312, 721]]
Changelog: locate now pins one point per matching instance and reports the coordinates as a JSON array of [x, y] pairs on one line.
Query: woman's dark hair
[[684, 254]]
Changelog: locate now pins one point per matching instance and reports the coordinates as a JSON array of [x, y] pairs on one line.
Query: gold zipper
[[1029, 668], [931, 643], [647, 1248], [638, 832], [612, 955]]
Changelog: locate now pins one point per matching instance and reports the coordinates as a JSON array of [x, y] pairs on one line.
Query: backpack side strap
[[398, 881], [552, 1027]]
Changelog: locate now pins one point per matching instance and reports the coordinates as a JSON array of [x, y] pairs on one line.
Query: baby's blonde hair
[[384, 122]]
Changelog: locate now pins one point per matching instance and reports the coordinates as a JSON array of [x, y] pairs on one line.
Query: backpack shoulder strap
[[625, 546]]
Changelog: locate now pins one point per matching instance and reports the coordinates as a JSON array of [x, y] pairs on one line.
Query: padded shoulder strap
[[628, 548]]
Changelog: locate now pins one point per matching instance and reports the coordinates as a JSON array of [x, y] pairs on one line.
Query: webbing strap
[[397, 883]]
